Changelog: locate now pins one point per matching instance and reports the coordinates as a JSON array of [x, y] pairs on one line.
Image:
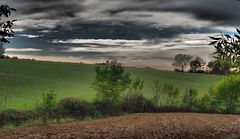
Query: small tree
[[6, 26], [48, 104], [157, 92], [134, 91], [196, 64], [171, 93], [205, 103], [111, 79], [182, 61], [214, 101], [137, 84], [189, 99], [227, 92]]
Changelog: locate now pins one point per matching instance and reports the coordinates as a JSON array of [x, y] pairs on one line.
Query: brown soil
[[137, 126]]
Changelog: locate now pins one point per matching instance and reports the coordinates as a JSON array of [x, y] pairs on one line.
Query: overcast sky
[[137, 32]]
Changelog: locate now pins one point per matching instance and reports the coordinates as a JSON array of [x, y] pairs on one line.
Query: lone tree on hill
[[182, 61], [111, 79], [6, 26]]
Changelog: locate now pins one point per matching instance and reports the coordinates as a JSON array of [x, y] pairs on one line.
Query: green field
[[26, 81]]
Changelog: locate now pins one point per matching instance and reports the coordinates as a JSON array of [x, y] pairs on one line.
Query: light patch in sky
[[103, 42], [30, 36], [22, 50]]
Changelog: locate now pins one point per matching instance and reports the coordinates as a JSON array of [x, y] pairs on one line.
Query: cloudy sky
[[137, 32]]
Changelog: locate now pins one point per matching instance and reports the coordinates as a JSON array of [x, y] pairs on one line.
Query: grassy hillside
[[25, 81]]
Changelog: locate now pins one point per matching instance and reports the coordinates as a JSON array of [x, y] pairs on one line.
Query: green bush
[[215, 105], [165, 94], [74, 107], [15, 117], [227, 93], [205, 104], [106, 108], [137, 103], [136, 85]]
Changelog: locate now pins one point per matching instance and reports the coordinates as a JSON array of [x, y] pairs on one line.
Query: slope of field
[[26, 81], [138, 126]]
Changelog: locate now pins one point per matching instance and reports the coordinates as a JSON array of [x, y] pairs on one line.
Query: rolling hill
[[24, 82]]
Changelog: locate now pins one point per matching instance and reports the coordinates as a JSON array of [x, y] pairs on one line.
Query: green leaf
[[215, 38], [213, 43], [237, 36], [228, 36], [12, 9], [238, 30]]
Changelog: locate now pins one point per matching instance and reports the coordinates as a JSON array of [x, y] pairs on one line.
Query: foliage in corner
[[6, 26], [227, 50]]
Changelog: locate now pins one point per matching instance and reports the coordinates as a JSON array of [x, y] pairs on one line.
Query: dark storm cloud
[[54, 10], [48, 8], [219, 11], [122, 30]]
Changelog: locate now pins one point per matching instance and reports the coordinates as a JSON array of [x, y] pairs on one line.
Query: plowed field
[[137, 126]]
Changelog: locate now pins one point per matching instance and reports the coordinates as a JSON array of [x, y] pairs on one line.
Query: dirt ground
[[137, 126]]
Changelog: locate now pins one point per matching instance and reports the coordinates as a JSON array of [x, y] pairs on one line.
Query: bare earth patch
[[137, 126]]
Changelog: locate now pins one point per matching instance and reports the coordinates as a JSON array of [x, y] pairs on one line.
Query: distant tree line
[[184, 61]]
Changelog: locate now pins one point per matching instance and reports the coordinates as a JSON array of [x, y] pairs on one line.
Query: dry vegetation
[[144, 126]]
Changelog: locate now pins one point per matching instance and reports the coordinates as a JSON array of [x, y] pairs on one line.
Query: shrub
[[136, 85], [137, 103], [158, 93], [227, 92], [47, 106], [205, 104], [105, 108], [15, 117], [171, 94], [189, 100], [74, 107], [2, 119], [215, 103], [170, 109], [164, 94]]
